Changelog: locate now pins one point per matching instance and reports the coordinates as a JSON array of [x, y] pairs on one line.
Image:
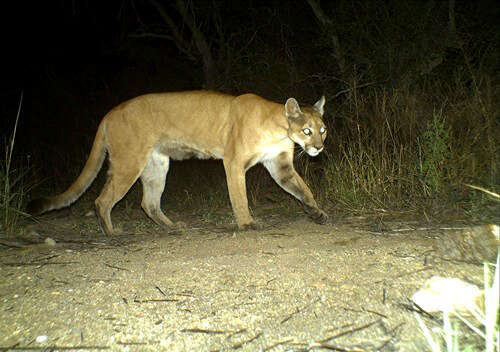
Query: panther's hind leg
[[153, 183], [120, 180]]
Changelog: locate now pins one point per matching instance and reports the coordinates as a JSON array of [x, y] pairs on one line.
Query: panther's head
[[306, 127]]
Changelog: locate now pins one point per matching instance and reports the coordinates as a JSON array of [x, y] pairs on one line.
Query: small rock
[[441, 294], [50, 242], [41, 338]]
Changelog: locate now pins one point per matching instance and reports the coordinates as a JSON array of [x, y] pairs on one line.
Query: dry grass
[[12, 184], [408, 148]]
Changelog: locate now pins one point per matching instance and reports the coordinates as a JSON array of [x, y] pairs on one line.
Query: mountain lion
[[141, 135]]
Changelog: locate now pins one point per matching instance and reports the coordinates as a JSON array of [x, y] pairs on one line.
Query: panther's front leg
[[236, 184], [282, 171]]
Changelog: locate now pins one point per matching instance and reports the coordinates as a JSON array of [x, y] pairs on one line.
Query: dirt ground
[[293, 286]]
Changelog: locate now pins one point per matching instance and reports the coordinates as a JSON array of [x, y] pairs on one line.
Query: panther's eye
[[307, 131], [322, 130]]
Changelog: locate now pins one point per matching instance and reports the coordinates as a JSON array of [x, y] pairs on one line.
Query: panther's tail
[[87, 176]]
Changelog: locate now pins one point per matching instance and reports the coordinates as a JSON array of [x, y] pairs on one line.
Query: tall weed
[[12, 186], [435, 154], [403, 148]]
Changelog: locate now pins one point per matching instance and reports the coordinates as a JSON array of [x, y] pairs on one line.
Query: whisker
[[299, 153]]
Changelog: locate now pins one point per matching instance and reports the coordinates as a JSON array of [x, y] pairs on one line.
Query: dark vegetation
[[412, 93]]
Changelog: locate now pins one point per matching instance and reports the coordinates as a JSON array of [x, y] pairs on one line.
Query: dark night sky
[[68, 33], [58, 40]]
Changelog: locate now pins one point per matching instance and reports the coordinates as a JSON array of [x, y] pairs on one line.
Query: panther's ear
[[292, 108], [319, 105]]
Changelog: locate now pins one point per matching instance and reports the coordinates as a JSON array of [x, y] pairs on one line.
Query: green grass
[[436, 151]]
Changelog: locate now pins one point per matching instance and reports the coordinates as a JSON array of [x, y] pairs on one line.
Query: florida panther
[[141, 135]]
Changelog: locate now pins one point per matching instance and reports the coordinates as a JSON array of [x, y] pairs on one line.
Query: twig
[[271, 280], [132, 343], [161, 291], [376, 313], [350, 331], [116, 267], [413, 307], [205, 331], [496, 195], [336, 347], [236, 333], [156, 300], [268, 348], [363, 310], [38, 263], [240, 345], [54, 348], [298, 310]]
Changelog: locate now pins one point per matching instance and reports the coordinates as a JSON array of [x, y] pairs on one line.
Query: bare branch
[[318, 12], [329, 25], [209, 67], [184, 45], [176, 37]]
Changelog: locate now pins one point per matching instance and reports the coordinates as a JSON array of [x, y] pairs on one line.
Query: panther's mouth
[[313, 151]]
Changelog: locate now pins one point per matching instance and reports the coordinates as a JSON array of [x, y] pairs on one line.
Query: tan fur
[[142, 134]]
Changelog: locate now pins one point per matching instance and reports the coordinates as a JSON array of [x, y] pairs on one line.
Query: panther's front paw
[[179, 225], [319, 217], [251, 226]]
